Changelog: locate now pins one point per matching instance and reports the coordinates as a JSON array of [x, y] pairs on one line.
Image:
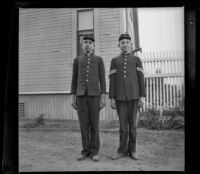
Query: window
[[85, 26]]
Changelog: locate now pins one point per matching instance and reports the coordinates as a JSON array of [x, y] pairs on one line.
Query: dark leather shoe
[[118, 156], [134, 156], [82, 157], [95, 158]]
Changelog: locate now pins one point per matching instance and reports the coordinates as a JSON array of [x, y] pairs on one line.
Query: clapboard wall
[[45, 49], [47, 45], [56, 106], [110, 26]]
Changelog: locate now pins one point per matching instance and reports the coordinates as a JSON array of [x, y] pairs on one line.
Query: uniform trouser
[[88, 114], [127, 112]]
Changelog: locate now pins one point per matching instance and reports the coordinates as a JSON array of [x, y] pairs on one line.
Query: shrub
[[40, 119], [152, 120], [173, 113], [177, 122]]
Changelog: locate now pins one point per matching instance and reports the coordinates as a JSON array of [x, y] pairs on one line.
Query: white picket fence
[[164, 79]]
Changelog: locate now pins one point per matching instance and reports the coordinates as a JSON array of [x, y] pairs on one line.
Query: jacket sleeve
[[74, 76], [102, 76], [140, 74], [112, 77]]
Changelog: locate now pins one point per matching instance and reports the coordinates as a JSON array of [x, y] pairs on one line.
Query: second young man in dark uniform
[[88, 96], [126, 90]]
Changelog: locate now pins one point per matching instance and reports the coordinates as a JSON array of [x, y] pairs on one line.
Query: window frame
[[83, 32]]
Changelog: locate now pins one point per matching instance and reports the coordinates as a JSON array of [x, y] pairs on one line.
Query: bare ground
[[57, 150]]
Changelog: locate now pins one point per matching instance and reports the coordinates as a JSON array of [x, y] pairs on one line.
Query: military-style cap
[[88, 36], [124, 36]]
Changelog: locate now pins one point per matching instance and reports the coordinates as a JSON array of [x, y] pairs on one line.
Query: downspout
[[135, 28]]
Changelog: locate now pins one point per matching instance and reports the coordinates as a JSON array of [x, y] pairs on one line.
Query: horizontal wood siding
[[45, 64], [164, 88], [109, 31], [164, 82], [52, 106], [45, 49], [57, 107]]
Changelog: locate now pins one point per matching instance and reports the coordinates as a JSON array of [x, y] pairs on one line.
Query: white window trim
[[122, 20], [74, 36], [75, 28], [45, 92], [96, 30]]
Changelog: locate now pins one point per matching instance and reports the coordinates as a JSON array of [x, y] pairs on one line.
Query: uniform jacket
[[88, 73], [126, 78]]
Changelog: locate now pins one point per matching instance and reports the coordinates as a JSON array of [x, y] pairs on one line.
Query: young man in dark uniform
[[126, 90], [88, 90]]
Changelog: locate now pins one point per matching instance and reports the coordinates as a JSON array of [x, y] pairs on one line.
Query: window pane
[[85, 20]]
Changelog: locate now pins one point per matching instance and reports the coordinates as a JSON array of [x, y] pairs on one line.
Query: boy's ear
[[118, 45]]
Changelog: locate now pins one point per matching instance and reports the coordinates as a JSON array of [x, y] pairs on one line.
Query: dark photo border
[[9, 95]]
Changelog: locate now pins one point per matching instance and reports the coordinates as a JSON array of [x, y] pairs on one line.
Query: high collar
[[89, 55], [123, 54]]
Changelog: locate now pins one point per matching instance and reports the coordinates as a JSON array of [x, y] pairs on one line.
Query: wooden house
[[49, 40]]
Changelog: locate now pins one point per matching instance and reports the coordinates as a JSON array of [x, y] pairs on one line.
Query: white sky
[[161, 29]]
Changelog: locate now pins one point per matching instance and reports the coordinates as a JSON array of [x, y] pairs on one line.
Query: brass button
[[124, 76], [86, 80]]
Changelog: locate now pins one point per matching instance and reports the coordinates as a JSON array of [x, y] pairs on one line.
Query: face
[[88, 46], [125, 45]]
